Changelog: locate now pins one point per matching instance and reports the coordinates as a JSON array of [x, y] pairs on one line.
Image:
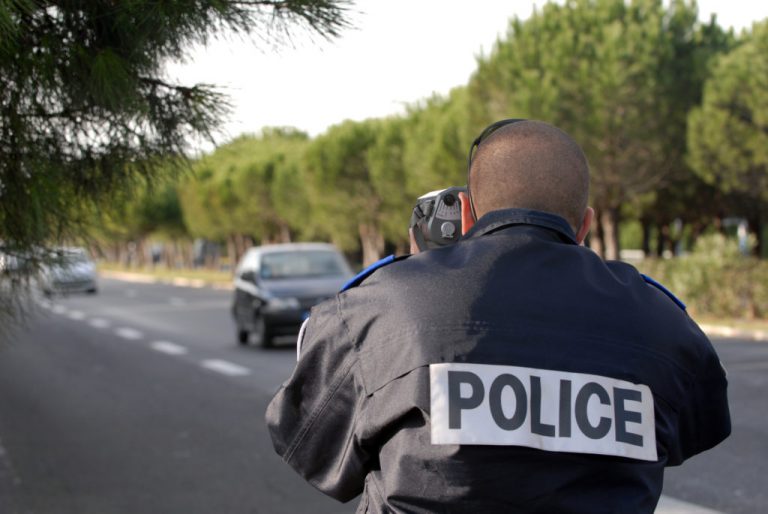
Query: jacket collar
[[503, 218]]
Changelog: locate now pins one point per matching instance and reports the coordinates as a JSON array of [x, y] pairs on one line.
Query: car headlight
[[280, 304]]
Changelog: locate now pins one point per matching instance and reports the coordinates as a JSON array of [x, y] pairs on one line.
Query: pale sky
[[399, 52]]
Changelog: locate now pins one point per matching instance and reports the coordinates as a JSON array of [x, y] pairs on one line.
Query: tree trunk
[[756, 224], [188, 254], [170, 251], [232, 250], [718, 223], [241, 244], [662, 240], [130, 254], [675, 239], [285, 233], [211, 258], [141, 253], [696, 230], [609, 219], [178, 254], [596, 237], [372, 242], [124, 255], [646, 226]]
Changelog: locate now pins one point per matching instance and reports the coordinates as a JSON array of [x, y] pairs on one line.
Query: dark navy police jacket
[[514, 371]]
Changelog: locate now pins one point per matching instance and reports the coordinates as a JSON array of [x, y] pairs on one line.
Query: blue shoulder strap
[[358, 279], [664, 290]]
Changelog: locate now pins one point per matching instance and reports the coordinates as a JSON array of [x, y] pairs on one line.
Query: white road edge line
[[129, 333], [168, 348], [99, 323], [76, 315], [669, 505], [225, 367]]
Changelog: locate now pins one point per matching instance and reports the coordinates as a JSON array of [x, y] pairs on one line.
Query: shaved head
[[530, 165]]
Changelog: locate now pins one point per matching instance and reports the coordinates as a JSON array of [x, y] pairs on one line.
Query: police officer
[[514, 371]]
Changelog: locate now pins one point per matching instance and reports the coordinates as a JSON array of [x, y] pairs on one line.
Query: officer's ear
[[586, 224], [467, 219]]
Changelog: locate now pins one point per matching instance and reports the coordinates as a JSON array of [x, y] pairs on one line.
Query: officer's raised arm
[[704, 420], [312, 418]]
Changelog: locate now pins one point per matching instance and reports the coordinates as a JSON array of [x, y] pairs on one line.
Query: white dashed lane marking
[[669, 505], [129, 333], [217, 365], [168, 347], [99, 323], [225, 367]]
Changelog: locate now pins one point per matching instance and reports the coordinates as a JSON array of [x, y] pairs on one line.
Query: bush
[[715, 279]]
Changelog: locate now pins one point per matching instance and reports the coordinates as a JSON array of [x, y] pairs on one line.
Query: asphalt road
[[138, 399]]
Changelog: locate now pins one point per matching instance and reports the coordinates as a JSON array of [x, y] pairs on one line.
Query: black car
[[277, 285]]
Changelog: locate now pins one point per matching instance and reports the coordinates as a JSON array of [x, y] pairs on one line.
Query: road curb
[[735, 333]]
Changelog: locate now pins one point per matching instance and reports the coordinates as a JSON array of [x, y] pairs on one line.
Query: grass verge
[[163, 273]]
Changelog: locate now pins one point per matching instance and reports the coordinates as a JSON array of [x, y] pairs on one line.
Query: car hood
[[304, 287]]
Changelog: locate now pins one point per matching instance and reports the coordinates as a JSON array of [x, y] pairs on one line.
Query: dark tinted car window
[[69, 259], [74, 258], [300, 264]]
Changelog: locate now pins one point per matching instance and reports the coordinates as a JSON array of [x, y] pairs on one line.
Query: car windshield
[[299, 264]]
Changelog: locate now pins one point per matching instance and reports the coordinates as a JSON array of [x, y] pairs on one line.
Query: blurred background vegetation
[[671, 112]]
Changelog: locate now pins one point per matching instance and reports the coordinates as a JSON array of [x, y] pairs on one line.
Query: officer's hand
[[414, 246]]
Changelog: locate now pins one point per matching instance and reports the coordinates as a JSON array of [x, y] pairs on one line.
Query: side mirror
[[248, 275]]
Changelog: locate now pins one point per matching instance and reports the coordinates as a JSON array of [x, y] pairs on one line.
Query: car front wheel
[[262, 334], [242, 336]]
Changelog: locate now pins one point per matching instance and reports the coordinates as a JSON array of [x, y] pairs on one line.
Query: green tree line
[[671, 112]]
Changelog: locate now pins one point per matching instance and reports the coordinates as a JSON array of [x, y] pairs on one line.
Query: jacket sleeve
[[704, 419], [314, 417]]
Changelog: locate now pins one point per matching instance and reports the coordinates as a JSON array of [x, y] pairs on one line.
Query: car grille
[[72, 285]]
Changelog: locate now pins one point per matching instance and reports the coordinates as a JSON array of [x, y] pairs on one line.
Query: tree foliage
[[618, 76], [728, 133], [248, 190], [152, 208], [342, 192], [84, 104]]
